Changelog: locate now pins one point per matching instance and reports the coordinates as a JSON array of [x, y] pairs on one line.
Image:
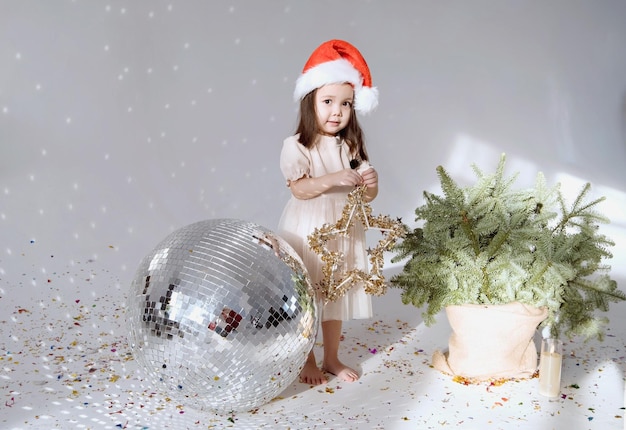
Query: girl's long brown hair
[[309, 129]]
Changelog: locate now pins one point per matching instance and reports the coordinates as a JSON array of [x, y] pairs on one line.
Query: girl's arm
[[308, 188]]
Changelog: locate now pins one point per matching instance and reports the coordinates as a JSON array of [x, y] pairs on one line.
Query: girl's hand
[[370, 177], [308, 188], [347, 177]]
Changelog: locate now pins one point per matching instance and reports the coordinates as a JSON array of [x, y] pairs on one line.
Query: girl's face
[[333, 105]]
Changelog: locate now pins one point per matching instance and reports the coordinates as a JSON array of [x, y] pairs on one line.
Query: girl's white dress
[[300, 217]]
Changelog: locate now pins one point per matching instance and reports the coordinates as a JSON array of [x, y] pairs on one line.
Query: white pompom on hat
[[334, 62]]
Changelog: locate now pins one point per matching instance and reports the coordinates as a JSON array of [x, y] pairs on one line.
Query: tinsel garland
[[333, 284]]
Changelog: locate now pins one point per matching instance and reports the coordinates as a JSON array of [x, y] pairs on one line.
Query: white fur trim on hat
[[330, 72]]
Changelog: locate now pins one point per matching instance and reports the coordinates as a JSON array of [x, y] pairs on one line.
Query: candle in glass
[[550, 367]]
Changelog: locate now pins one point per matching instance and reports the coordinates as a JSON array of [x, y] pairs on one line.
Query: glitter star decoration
[[335, 284]]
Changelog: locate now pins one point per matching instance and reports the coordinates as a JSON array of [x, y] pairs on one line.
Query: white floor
[[65, 364]]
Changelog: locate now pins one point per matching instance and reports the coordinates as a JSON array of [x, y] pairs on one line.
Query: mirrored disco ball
[[222, 315]]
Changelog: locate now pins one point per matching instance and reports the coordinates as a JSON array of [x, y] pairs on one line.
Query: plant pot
[[491, 341]]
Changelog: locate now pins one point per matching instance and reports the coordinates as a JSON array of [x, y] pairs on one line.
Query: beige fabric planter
[[491, 341]]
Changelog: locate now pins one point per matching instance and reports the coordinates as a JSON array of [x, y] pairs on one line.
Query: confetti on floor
[[65, 363]]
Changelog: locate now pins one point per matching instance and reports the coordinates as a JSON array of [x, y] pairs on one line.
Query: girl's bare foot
[[312, 375], [342, 371]]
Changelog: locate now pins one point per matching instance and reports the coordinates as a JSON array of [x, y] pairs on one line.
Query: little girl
[[323, 162]]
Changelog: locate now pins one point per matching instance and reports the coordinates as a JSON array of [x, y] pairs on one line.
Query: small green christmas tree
[[492, 244]]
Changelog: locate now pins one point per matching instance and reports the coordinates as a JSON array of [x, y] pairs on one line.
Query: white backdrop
[[121, 121]]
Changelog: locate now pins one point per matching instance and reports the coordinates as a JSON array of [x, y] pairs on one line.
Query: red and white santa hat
[[337, 61]]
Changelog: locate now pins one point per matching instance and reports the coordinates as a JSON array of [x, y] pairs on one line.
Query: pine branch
[[489, 243]]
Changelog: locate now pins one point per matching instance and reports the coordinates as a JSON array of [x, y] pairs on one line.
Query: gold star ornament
[[335, 282]]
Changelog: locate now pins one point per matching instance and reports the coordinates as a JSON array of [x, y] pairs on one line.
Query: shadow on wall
[[624, 120]]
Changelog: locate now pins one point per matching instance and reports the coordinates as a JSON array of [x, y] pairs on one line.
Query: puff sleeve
[[294, 160]]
